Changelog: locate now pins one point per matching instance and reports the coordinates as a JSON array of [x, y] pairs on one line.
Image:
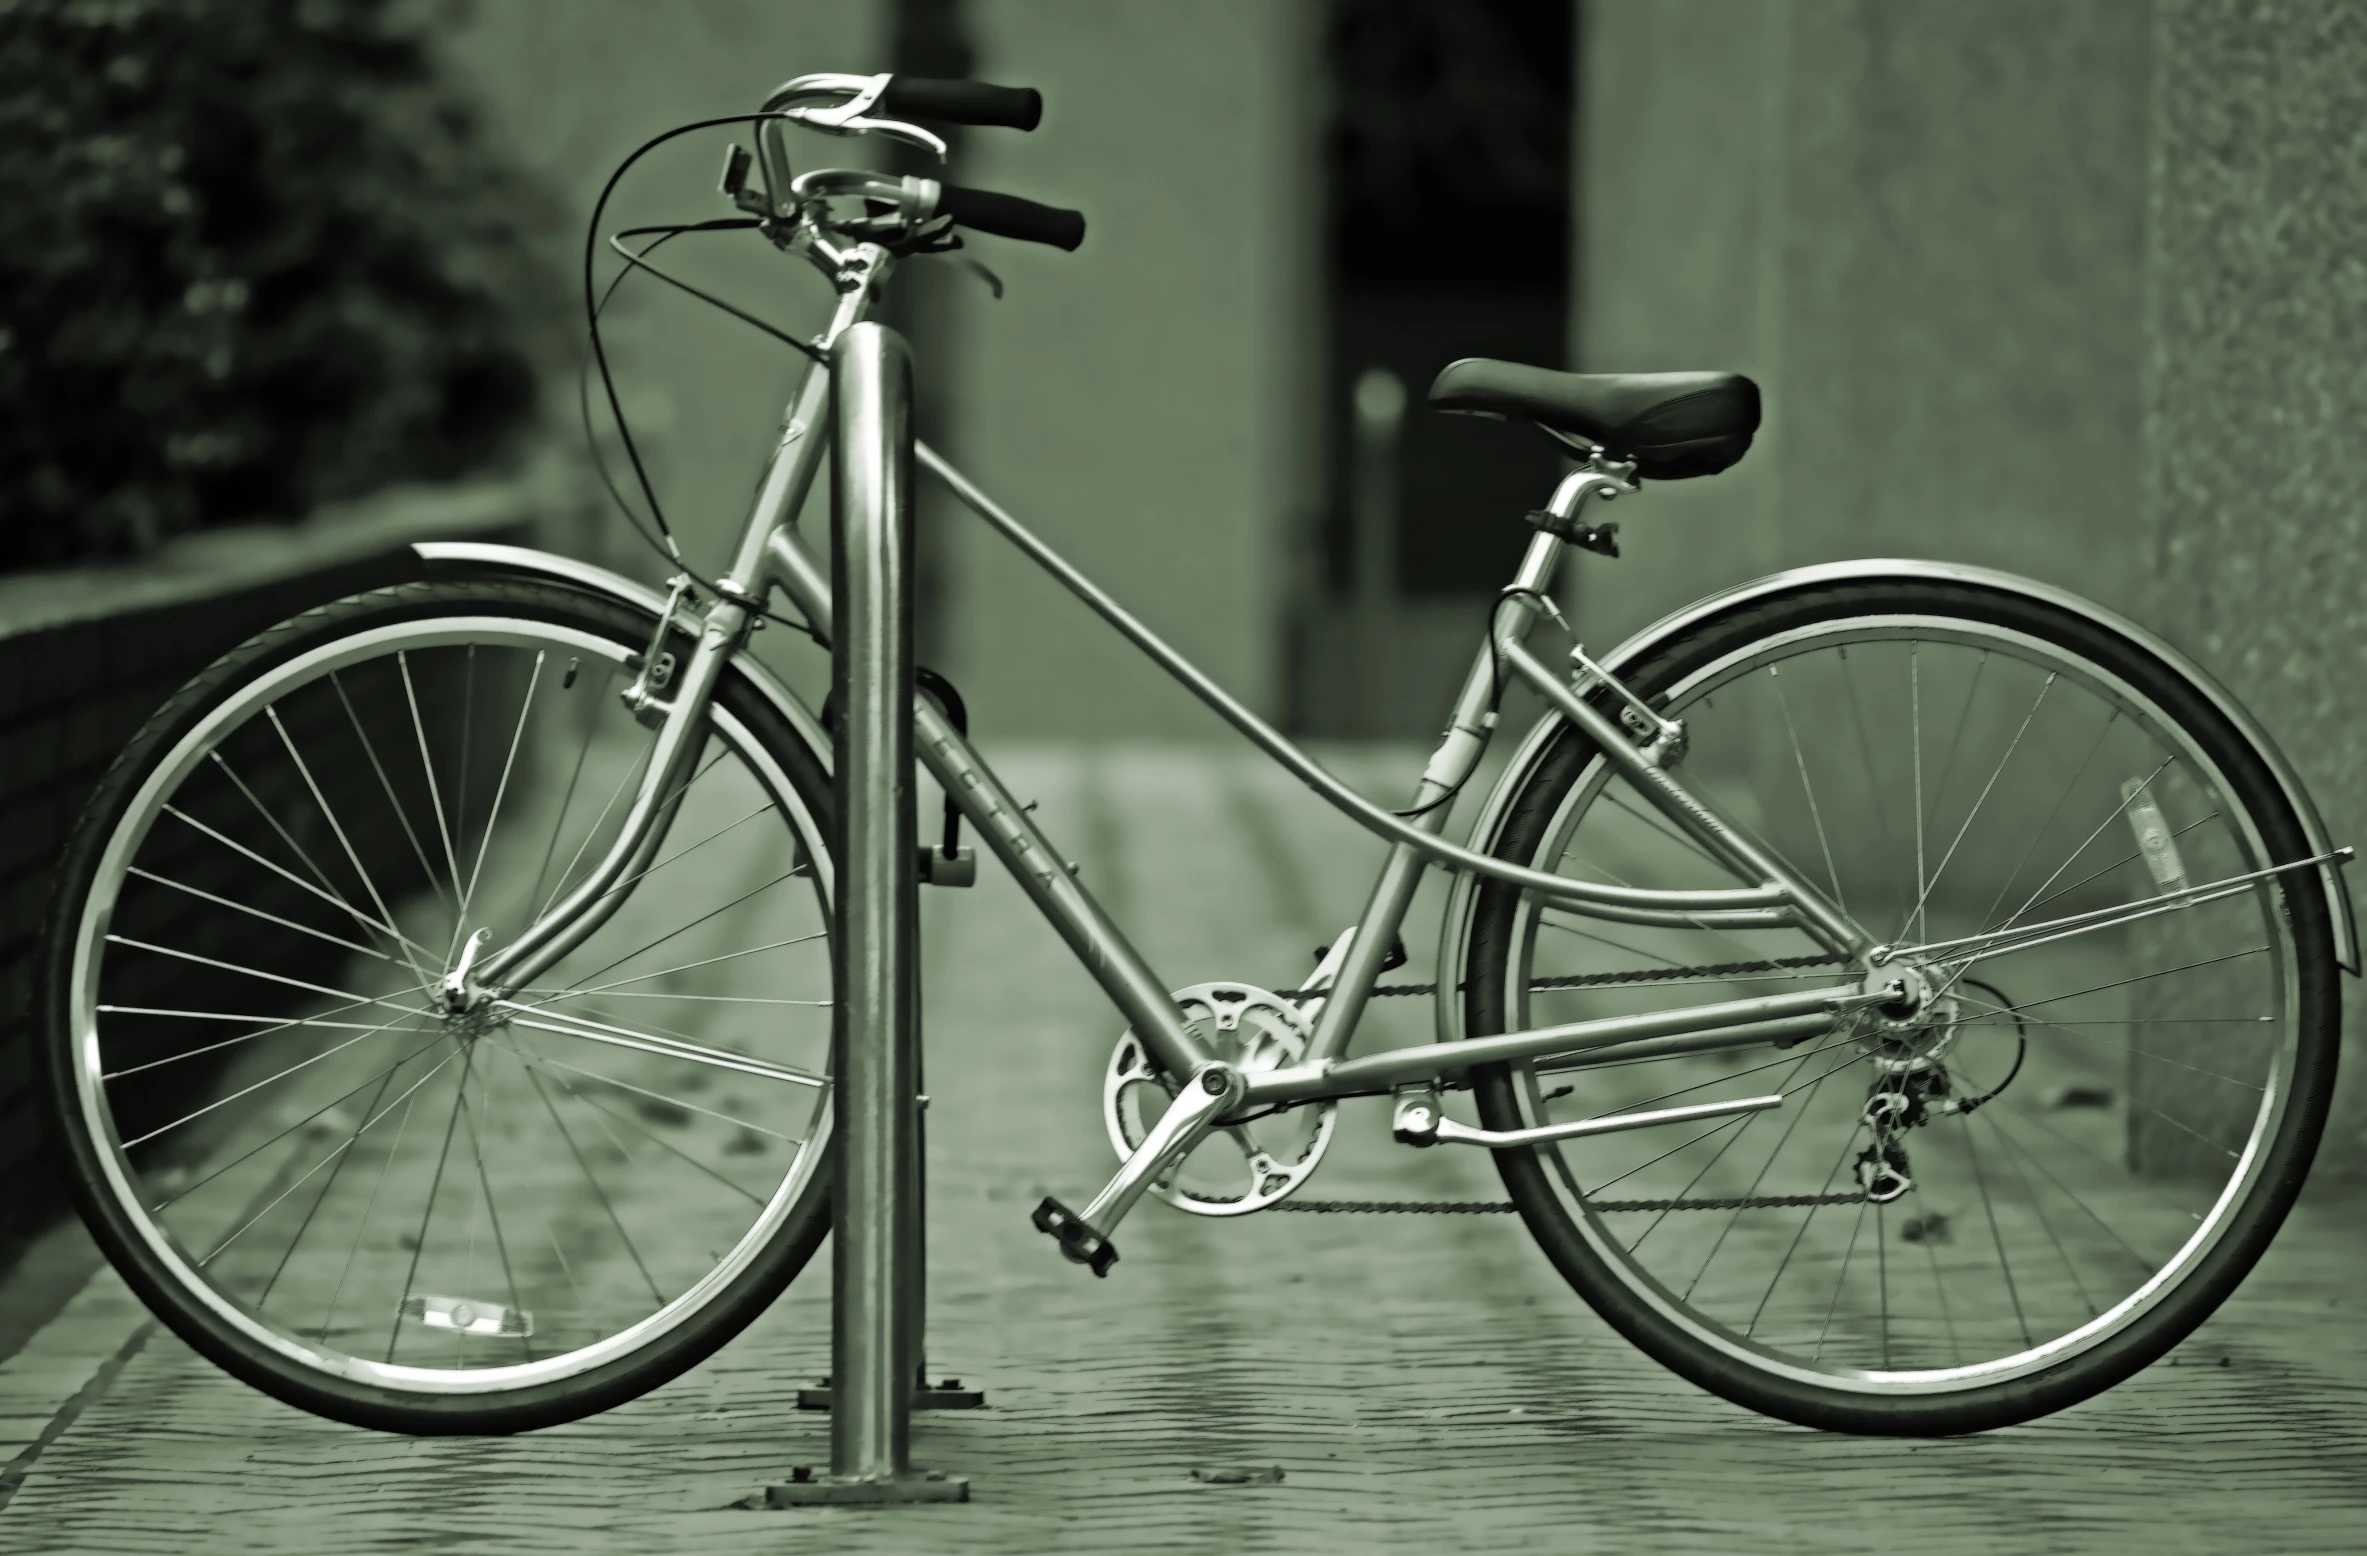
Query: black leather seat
[[1672, 425]]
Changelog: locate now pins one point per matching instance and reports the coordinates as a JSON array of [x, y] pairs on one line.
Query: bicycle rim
[[360, 1188], [2098, 1116]]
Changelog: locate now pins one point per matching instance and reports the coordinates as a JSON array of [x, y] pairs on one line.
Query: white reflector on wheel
[[468, 1315], [2154, 839]]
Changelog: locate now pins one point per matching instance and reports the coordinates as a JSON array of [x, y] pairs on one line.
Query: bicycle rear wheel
[[341, 1193], [2101, 1133]]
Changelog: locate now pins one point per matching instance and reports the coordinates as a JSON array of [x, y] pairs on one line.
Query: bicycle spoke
[[630, 780], [328, 888], [670, 1048], [335, 1155], [1988, 915], [1751, 1190], [2127, 1048], [332, 899], [1915, 745], [361, 1225], [2038, 1209], [1719, 1154], [1939, 791], [2026, 1006], [654, 1138], [476, 1146], [427, 1211], [1986, 789], [1815, 812], [277, 1024], [240, 907], [607, 1206], [659, 1096], [435, 794], [575, 993], [1800, 1235], [253, 972], [271, 712], [266, 1081], [501, 789], [369, 1112], [1998, 1123], [2004, 1265], [575, 774], [638, 876], [2145, 786], [2129, 858], [1857, 718], [386, 786], [1840, 1283]]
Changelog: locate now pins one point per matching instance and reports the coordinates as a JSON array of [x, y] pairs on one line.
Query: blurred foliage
[[256, 256]]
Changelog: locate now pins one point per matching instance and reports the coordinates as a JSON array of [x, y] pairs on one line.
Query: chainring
[[1240, 1168]]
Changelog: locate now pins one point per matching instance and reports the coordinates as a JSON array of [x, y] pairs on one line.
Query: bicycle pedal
[[1079, 1243]]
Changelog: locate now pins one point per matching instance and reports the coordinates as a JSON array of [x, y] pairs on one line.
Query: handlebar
[[1009, 216], [962, 102]]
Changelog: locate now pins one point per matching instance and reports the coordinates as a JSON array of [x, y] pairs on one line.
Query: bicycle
[[2024, 939]]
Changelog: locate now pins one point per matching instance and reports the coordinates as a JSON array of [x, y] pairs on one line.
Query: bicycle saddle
[[1672, 425]]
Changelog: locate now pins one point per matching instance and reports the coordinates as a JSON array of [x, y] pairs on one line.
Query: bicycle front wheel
[[2097, 1135], [344, 1194]]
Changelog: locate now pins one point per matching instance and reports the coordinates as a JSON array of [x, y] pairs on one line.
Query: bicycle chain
[[1484, 1207]]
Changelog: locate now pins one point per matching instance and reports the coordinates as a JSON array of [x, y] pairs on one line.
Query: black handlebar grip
[[1008, 216], [962, 102]]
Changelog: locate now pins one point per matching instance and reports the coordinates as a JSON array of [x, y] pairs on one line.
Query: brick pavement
[[1425, 1383]]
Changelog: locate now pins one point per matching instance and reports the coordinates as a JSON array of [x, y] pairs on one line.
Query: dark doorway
[[1448, 190]]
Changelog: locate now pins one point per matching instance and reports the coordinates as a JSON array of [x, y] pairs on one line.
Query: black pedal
[[1079, 1243]]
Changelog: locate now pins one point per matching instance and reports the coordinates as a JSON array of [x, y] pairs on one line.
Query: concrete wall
[[87, 655], [2256, 329], [1920, 227]]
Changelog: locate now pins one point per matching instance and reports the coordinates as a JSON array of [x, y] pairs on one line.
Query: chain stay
[[1712, 971], [1487, 1207]]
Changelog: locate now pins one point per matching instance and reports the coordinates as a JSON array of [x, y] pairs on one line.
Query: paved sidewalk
[[1425, 1383]]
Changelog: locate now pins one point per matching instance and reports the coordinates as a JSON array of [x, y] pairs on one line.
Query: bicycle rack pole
[[875, 1194]]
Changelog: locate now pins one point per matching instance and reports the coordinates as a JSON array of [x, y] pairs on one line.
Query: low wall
[[87, 655]]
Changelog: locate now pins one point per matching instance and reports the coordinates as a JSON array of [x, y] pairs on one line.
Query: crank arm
[[1084, 1236], [1997, 942]]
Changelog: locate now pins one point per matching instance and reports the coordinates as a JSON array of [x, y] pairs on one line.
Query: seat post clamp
[[1601, 539]]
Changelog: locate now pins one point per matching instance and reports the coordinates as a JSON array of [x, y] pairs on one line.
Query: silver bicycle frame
[[772, 552]]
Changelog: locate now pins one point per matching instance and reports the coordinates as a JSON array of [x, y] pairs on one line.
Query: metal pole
[[875, 1037]]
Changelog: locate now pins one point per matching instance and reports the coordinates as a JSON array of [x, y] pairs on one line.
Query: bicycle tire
[[485, 625], [1919, 1389]]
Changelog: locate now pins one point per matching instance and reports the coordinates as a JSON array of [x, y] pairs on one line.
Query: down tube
[[1098, 943]]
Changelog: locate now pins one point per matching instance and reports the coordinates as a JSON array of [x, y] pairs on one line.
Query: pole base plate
[[944, 1394], [814, 1488]]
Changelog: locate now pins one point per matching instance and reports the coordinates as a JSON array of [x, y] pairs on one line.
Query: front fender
[[448, 556], [1455, 924]]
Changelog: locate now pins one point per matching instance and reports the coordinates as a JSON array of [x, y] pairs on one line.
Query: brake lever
[[836, 121]]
